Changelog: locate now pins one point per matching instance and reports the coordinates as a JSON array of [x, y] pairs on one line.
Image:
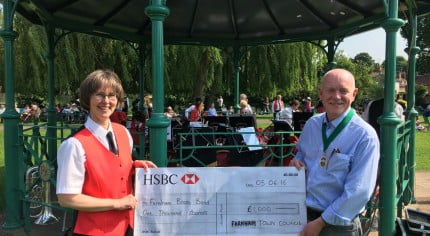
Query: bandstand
[[232, 25]]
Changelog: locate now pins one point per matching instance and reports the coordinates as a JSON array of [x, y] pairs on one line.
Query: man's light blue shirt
[[341, 187], [212, 112]]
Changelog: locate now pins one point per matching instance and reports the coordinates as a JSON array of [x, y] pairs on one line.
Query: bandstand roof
[[209, 22]]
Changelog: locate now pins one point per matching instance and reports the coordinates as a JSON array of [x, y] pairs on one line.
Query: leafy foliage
[[287, 69], [401, 63], [292, 70], [362, 67], [420, 93], [189, 71], [423, 42], [364, 59]]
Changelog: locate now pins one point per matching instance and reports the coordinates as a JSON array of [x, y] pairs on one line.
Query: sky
[[372, 42]]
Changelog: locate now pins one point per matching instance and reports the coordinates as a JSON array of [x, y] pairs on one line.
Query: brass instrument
[[39, 189], [34, 190]]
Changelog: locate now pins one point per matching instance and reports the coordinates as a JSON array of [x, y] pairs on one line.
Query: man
[[220, 101], [277, 106], [212, 110], [308, 105], [341, 153]]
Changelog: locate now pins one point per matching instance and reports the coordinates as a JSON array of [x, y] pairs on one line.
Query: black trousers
[[336, 230], [275, 114]]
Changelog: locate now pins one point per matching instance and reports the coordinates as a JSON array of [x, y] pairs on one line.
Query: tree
[[364, 59], [420, 94], [365, 79], [401, 63], [30, 65], [76, 55], [1, 15], [423, 42], [193, 71], [287, 69], [290, 69], [1, 53]]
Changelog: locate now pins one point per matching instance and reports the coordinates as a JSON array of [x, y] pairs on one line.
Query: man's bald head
[[337, 73], [337, 92]]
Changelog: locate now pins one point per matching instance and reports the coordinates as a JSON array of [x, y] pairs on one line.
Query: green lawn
[[422, 150], [2, 199]]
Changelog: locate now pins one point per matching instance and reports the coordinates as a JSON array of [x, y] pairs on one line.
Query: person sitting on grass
[[426, 117]]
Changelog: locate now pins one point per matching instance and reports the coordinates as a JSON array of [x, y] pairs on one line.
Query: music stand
[[241, 121], [281, 125], [206, 156], [300, 118], [175, 122], [215, 120], [242, 156]]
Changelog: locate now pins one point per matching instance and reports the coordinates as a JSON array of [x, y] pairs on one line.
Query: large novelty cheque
[[220, 201]]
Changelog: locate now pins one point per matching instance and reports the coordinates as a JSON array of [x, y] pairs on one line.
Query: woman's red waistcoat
[[106, 176], [194, 115]]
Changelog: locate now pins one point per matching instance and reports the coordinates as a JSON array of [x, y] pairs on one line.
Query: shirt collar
[[96, 128], [334, 123]]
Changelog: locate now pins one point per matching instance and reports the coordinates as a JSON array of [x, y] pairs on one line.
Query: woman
[[170, 113], [25, 112], [148, 106], [245, 109], [95, 172], [196, 113], [287, 113]]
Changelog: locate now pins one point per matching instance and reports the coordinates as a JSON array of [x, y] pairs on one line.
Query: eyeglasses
[[101, 96]]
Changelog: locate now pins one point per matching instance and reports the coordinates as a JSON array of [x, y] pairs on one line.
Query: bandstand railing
[[404, 183], [38, 190], [274, 149]]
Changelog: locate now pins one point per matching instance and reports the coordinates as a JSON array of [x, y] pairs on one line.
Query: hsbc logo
[[190, 179], [165, 179], [159, 179]]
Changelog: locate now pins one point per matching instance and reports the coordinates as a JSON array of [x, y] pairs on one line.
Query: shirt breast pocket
[[339, 165]]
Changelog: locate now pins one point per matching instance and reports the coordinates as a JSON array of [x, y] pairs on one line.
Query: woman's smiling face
[[102, 104]]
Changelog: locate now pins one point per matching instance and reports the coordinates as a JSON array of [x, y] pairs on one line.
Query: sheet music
[[250, 139]]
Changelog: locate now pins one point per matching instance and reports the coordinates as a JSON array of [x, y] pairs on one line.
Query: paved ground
[[422, 195], [422, 191]]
